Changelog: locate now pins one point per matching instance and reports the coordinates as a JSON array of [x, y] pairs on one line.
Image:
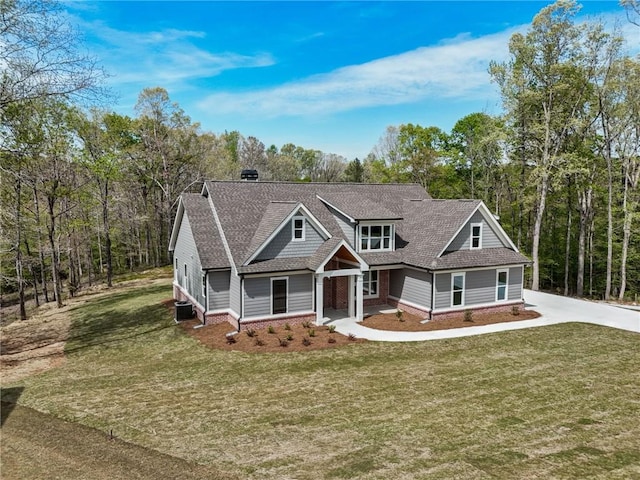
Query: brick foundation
[[504, 307], [408, 308], [264, 323]]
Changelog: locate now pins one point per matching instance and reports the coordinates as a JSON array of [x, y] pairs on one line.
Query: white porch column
[[319, 299], [359, 295], [351, 297]]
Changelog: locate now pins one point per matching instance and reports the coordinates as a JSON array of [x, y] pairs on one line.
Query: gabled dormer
[[367, 225]]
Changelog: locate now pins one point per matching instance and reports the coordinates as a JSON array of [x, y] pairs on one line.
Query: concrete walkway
[[554, 309]]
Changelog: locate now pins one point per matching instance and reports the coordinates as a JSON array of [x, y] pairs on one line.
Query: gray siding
[[463, 239], [234, 293], [480, 287], [282, 246], [411, 286], [443, 290], [185, 253], [515, 283], [257, 295], [348, 229], [219, 290]]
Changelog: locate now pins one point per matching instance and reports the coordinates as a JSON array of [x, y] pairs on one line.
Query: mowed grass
[[553, 402]]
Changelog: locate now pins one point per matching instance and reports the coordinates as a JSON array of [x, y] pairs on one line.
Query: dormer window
[[297, 233], [476, 236], [376, 237]]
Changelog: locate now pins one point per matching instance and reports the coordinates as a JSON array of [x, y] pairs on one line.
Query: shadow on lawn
[[110, 319], [9, 397]]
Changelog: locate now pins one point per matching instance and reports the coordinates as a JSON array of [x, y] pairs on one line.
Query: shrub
[[287, 326], [258, 342], [306, 324], [283, 342], [231, 339], [515, 310], [332, 329], [468, 315], [351, 337], [306, 341], [289, 338], [331, 340], [399, 315], [312, 333], [251, 333], [270, 329]]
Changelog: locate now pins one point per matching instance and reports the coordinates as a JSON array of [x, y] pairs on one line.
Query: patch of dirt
[[37, 344], [215, 336], [412, 323]]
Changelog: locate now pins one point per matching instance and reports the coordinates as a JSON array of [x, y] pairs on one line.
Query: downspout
[[241, 301], [433, 294]]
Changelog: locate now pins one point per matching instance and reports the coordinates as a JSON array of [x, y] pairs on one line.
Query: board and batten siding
[[257, 294], [463, 239], [411, 286], [218, 290], [186, 253], [282, 245]]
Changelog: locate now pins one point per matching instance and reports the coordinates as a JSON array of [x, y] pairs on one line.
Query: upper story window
[[376, 237], [476, 236], [297, 231]]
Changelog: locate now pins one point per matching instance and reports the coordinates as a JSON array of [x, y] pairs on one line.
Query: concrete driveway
[[554, 309]]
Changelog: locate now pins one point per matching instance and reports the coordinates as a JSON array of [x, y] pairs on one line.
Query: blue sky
[[324, 75]]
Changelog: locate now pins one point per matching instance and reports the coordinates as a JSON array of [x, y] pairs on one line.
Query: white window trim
[[464, 288], [273, 279], [392, 239], [293, 228], [176, 270], [471, 247], [506, 290], [365, 283], [204, 285]]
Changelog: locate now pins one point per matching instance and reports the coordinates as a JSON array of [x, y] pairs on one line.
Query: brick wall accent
[[264, 323], [503, 307], [408, 308], [341, 292], [383, 290]]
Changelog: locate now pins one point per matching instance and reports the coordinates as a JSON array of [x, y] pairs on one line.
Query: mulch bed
[[215, 336], [411, 323], [298, 338]]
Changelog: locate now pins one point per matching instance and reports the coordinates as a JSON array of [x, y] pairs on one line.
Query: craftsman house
[[253, 253]]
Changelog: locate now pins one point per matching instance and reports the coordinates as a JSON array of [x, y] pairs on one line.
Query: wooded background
[[87, 192]]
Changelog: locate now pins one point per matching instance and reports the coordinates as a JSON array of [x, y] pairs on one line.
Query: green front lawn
[[553, 402]]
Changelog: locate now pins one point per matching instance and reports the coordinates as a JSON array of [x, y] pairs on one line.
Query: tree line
[[87, 193]]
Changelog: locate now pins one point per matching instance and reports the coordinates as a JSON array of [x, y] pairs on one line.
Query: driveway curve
[[553, 308]]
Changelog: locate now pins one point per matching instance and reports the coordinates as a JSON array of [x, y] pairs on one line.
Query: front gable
[[480, 231], [299, 234]]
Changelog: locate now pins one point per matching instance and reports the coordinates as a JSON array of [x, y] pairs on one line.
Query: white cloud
[[169, 57], [456, 69]]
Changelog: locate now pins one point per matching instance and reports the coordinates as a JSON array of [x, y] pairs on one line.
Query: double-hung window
[[376, 237], [476, 236], [502, 285], [457, 289], [370, 284], [297, 231]]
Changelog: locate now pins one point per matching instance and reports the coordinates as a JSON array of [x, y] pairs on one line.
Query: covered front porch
[[339, 283], [332, 315]]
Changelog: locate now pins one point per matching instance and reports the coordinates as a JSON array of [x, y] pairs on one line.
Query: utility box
[[184, 311]]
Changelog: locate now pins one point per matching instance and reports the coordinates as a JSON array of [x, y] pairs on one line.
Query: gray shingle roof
[[205, 232], [359, 207], [249, 212]]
